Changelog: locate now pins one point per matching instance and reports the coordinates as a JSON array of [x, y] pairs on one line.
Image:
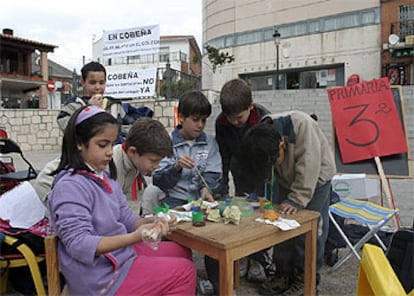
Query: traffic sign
[[50, 85]]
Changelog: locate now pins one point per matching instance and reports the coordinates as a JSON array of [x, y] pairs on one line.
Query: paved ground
[[340, 282]]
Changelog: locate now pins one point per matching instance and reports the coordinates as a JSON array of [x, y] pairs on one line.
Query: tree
[[218, 58]]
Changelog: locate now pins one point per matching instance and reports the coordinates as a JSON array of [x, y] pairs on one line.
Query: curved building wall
[[314, 35]]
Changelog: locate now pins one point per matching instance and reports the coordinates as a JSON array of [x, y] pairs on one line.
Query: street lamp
[[276, 37]]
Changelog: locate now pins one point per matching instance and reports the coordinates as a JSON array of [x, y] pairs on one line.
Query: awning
[[20, 84]]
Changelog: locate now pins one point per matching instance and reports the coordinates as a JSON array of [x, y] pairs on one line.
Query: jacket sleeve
[[308, 157], [66, 113], [226, 155], [44, 181], [166, 176], [75, 231]]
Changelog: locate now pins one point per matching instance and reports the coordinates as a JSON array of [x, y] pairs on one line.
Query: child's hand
[[173, 221], [158, 226], [170, 218], [97, 100], [142, 221], [185, 162], [288, 209], [206, 195]]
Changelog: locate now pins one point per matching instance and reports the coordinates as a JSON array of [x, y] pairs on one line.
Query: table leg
[[226, 275], [236, 274], [310, 259]]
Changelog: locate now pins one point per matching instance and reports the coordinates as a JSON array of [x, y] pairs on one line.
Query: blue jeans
[[291, 254]]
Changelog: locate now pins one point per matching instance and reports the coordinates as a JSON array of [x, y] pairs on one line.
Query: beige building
[[322, 43]]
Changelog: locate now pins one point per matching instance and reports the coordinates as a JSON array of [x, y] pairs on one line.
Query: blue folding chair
[[367, 213]]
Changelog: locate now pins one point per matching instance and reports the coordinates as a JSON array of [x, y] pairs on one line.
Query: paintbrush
[[202, 179]]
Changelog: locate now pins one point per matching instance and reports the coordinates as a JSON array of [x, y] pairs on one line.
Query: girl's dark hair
[[92, 67], [194, 103], [260, 150], [82, 134]]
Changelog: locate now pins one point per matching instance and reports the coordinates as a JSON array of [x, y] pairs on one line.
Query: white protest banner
[[130, 83], [131, 42]]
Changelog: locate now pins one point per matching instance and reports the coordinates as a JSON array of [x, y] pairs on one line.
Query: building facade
[[27, 76], [322, 43], [397, 38]]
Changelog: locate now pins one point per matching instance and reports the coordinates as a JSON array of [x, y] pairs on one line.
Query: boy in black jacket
[[239, 112]]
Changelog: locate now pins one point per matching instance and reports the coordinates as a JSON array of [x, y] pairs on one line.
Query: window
[[250, 37], [314, 26], [368, 18], [164, 57], [406, 20], [296, 29], [228, 41], [183, 56]]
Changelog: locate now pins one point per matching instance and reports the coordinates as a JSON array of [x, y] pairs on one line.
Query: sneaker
[[296, 288], [275, 285], [206, 287], [256, 273]]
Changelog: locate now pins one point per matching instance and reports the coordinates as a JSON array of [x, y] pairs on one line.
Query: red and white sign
[[366, 121], [50, 85]]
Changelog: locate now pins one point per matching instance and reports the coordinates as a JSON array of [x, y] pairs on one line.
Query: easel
[[385, 183]]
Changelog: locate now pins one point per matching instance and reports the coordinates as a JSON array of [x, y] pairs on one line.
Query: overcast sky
[[72, 25]]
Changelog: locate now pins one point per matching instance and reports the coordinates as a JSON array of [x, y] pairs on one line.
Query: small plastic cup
[[198, 219], [246, 209], [152, 236]]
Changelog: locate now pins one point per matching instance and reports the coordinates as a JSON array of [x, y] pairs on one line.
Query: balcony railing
[[402, 29]]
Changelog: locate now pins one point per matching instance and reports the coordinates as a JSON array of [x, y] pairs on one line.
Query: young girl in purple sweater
[[101, 249]]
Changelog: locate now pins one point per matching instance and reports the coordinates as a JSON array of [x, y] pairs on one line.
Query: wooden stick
[[203, 180], [386, 186]]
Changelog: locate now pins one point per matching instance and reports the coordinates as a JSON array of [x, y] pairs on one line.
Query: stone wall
[[37, 129]]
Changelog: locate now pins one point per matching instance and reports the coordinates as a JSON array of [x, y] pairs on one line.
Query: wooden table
[[228, 243]]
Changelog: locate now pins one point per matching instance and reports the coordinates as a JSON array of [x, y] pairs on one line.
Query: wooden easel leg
[[387, 189]]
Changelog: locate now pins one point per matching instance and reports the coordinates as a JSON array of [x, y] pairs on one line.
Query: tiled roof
[[27, 41]]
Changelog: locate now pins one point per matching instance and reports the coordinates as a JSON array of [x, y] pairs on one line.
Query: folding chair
[[376, 276], [368, 213], [24, 257], [8, 146]]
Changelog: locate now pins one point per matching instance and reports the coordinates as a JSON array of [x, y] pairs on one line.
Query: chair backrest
[[376, 276], [8, 146], [52, 265]]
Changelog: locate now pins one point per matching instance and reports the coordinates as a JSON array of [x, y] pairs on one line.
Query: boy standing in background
[[94, 83], [239, 112]]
